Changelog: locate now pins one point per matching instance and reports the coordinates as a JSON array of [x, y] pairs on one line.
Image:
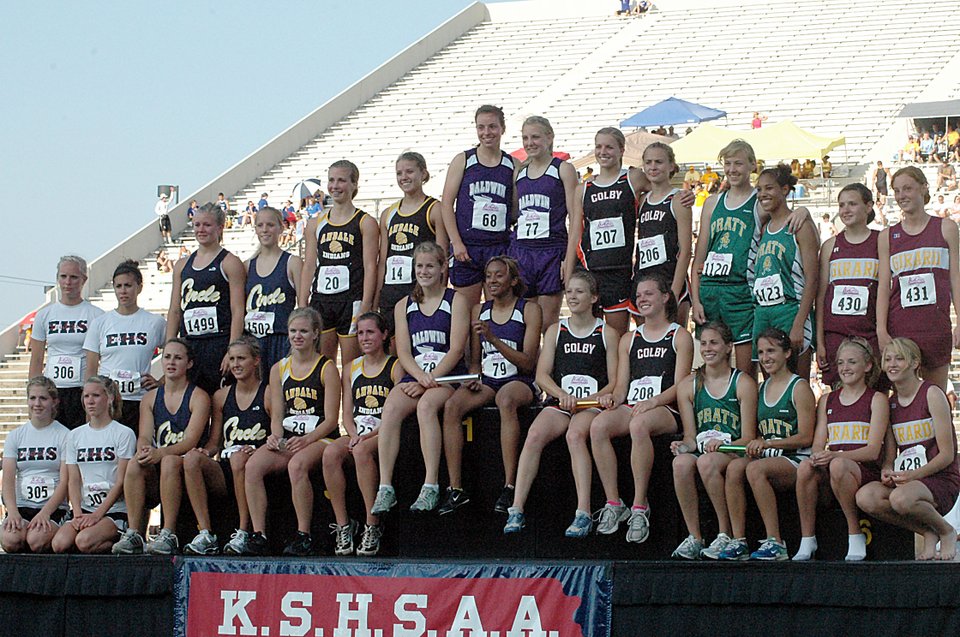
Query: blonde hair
[[735, 147], [316, 322], [354, 173], [80, 262], [616, 133], [906, 348], [427, 247], [860, 343], [542, 122], [113, 393]]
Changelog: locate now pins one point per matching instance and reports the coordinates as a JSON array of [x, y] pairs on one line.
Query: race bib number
[[917, 289], [428, 361], [366, 424], [259, 323], [63, 369], [768, 290], [333, 279], [128, 382], [489, 216], [38, 489], [850, 300], [911, 458], [94, 493], [399, 270], [651, 251], [711, 434], [717, 264], [606, 234], [496, 366], [201, 320], [302, 424], [533, 225], [578, 385], [644, 389]]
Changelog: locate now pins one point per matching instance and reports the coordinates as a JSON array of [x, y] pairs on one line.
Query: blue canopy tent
[[672, 111]]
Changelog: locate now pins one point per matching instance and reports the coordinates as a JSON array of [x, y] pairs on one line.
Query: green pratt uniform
[[779, 420], [726, 279], [778, 285], [717, 413]]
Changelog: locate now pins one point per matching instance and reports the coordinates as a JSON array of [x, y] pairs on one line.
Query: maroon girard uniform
[[912, 427], [848, 428], [920, 293]]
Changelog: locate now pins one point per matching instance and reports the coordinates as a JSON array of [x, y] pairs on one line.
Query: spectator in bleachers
[[809, 169], [671, 134], [160, 209], [248, 214], [826, 167], [946, 176], [940, 207], [642, 7], [911, 150], [702, 194], [795, 169], [313, 207], [191, 211], [163, 262], [222, 203], [691, 178], [624, 7], [955, 208], [289, 213], [928, 148], [587, 175], [709, 177], [881, 178], [825, 228], [757, 120], [263, 203]]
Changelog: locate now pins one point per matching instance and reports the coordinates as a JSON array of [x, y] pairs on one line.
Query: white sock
[[808, 546], [383, 487], [432, 487], [856, 547]]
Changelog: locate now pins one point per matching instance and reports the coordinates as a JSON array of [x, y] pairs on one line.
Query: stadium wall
[[247, 170]]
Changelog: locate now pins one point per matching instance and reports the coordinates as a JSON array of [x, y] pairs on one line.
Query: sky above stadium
[[104, 101]]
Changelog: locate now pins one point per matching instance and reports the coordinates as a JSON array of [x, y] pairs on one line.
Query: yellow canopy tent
[[632, 154], [780, 141]]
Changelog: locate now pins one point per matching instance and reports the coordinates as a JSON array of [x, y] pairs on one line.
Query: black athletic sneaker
[[256, 545], [453, 500], [299, 546], [505, 501]]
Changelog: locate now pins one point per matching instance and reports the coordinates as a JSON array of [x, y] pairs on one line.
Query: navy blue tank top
[[205, 299], [493, 364], [249, 426], [270, 299], [168, 429], [542, 219], [484, 200]]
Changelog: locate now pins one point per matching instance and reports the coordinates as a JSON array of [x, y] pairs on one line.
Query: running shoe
[[130, 543], [610, 517], [736, 550], [256, 544], [771, 550], [386, 500], [370, 540], [505, 501], [689, 549], [300, 546], [638, 525], [344, 537], [205, 543], [165, 543], [516, 520], [581, 526], [716, 547], [237, 544], [453, 500], [427, 500]]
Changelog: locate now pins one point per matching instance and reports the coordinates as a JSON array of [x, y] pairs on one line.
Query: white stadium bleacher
[[836, 67]]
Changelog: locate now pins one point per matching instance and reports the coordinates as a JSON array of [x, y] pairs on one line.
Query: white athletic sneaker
[[386, 500], [689, 549], [370, 540], [610, 517], [638, 526], [165, 543], [205, 543], [130, 543], [237, 544], [427, 500], [344, 537], [713, 551]]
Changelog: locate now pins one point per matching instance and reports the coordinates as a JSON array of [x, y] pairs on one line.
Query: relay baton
[[457, 378]]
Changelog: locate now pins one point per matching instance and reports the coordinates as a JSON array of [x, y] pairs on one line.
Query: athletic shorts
[[165, 223], [539, 268], [731, 304], [496, 384], [388, 303], [208, 353], [466, 273], [337, 315], [71, 413], [615, 287], [273, 347], [28, 513], [869, 472], [944, 487], [119, 519], [936, 346], [780, 316]]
